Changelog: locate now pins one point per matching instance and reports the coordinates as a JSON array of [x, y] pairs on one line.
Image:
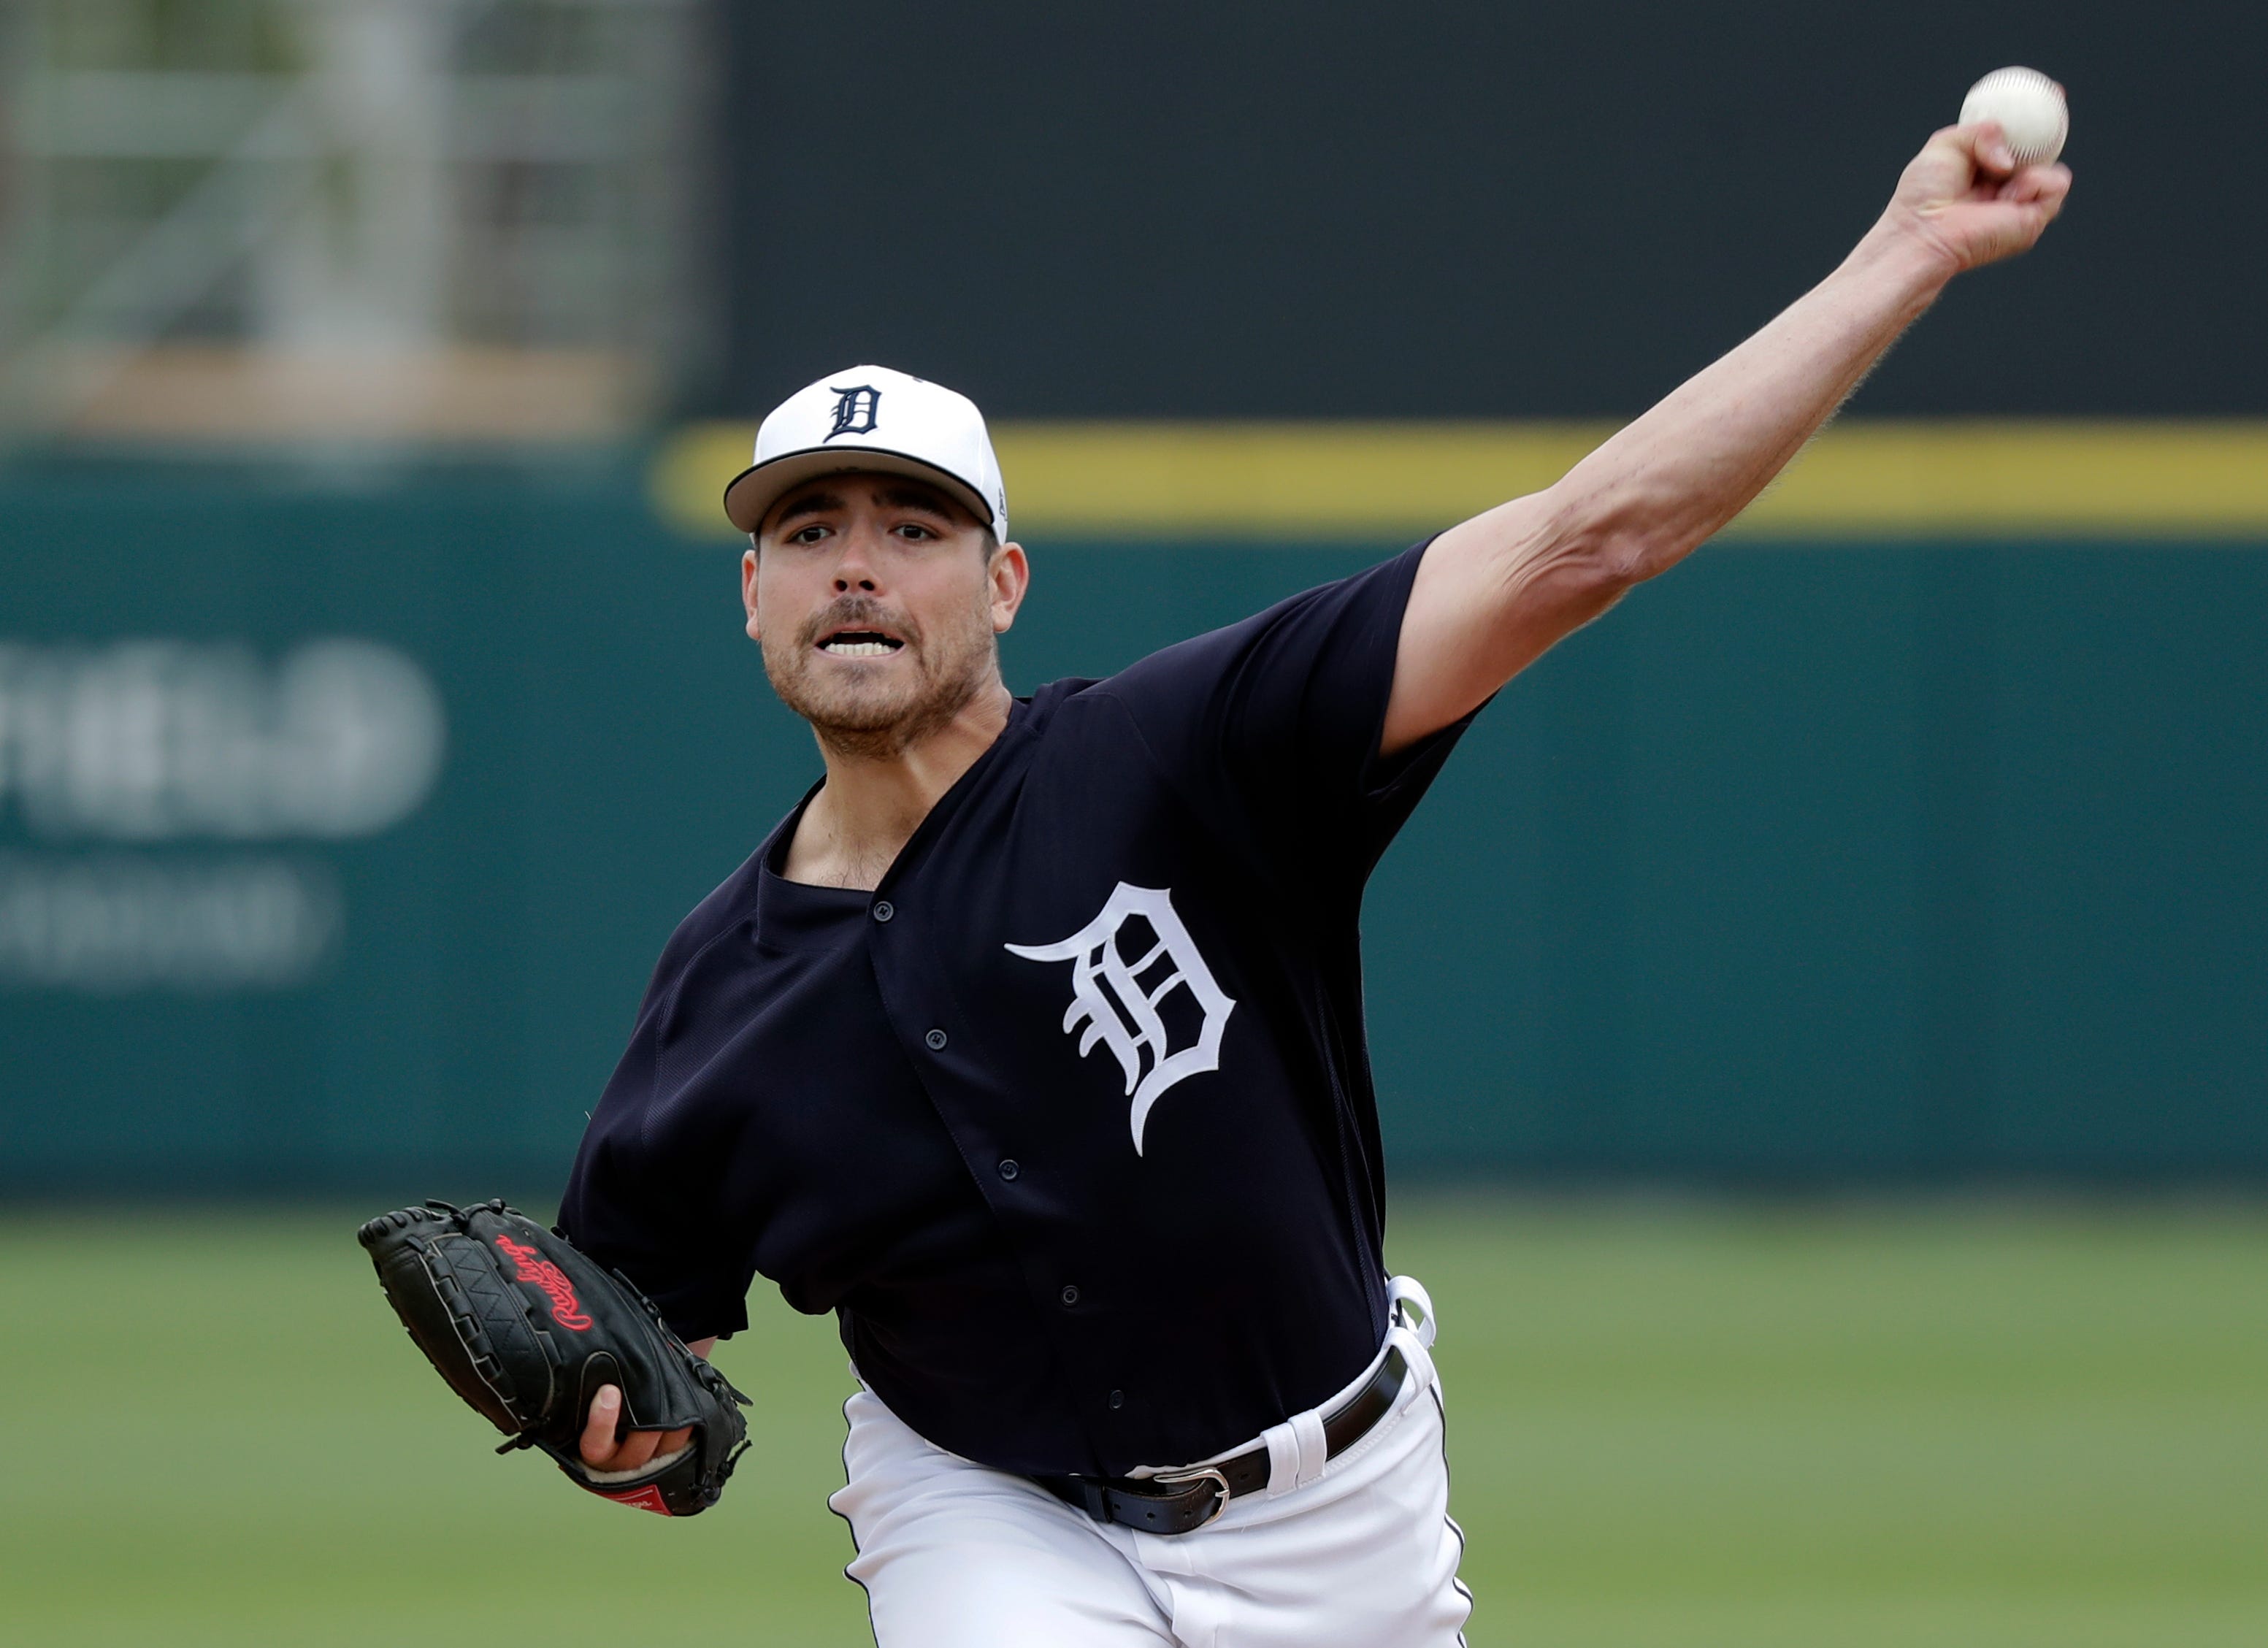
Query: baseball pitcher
[[1030, 1043]]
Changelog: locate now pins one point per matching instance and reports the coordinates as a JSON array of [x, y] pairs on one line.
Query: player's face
[[877, 604]]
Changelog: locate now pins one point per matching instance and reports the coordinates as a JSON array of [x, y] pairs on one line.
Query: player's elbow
[[1558, 586], [1615, 561], [1526, 574], [1611, 542], [1581, 549], [1592, 564]]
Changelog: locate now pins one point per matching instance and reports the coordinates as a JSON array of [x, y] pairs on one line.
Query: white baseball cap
[[872, 418]]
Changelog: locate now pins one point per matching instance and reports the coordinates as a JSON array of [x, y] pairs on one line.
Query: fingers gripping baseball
[[606, 1446], [1965, 196]]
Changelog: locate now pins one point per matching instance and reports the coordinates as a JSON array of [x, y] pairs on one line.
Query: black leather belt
[[1181, 1501]]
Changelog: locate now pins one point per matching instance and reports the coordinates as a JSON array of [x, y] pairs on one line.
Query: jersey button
[[1071, 1293], [884, 910], [1009, 1167], [935, 1041]]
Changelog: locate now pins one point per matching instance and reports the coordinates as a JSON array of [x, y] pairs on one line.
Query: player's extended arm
[[1495, 592]]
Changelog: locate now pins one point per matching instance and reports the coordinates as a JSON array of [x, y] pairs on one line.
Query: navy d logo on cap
[[840, 425], [854, 413]]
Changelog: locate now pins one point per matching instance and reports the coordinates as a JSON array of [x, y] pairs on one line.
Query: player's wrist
[[1900, 252]]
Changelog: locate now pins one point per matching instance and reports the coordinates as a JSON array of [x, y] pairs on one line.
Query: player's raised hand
[[602, 1451], [1965, 197]]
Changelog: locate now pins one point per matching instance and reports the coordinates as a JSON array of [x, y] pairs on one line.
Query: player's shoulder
[[1047, 702], [729, 904], [1372, 596], [724, 905], [1196, 661]]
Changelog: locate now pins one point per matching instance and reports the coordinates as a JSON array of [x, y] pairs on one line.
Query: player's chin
[[855, 704]]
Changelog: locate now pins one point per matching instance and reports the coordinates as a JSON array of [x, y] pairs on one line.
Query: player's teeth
[[860, 649]]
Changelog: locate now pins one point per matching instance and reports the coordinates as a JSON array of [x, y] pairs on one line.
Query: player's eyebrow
[[926, 499], [809, 503]]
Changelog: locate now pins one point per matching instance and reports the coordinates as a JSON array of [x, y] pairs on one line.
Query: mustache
[[858, 612]]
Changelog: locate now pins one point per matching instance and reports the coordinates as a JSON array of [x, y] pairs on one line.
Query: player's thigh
[[953, 1555]]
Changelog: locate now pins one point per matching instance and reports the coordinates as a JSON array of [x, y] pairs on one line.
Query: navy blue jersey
[[1071, 1119]]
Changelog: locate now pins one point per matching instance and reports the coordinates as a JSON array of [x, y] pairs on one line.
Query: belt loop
[[1315, 1452], [1401, 1293], [1421, 1376], [1283, 1459]]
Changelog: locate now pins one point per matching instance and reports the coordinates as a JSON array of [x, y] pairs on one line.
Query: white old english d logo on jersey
[[1119, 1007]]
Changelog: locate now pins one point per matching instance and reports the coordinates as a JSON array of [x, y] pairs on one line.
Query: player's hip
[[1355, 1547]]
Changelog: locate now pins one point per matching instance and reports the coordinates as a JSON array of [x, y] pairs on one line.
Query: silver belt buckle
[[1203, 1473]]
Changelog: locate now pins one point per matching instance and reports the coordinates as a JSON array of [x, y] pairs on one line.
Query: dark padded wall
[[1468, 210]]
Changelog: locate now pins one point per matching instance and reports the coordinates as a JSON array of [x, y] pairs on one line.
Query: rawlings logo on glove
[[475, 1288], [534, 1267]]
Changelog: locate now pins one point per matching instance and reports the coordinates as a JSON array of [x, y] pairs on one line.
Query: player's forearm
[[1663, 485]]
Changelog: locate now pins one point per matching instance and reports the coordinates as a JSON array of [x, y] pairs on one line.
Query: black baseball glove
[[527, 1329]]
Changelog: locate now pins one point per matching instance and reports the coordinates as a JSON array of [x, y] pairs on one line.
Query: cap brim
[[753, 492]]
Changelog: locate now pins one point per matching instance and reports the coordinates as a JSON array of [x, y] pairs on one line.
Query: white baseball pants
[[1354, 1552]]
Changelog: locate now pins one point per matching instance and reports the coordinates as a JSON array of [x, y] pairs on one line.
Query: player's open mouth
[[860, 643]]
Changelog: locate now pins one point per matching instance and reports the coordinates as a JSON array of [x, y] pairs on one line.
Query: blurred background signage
[[154, 741]]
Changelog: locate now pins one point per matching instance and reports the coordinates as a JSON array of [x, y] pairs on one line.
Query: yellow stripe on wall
[[1304, 480]]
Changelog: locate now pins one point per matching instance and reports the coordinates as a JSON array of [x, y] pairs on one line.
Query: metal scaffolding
[[338, 221]]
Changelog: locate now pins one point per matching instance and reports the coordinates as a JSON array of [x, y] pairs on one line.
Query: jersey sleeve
[[1270, 728], [642, 1198], [629, 1218]]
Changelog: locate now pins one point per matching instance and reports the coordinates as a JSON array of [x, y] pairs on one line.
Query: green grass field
[[1668, 1429]]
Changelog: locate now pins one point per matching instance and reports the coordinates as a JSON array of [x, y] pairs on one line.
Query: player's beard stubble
[[875, 714]]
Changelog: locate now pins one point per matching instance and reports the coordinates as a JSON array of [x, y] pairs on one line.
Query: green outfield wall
[[341, 819]]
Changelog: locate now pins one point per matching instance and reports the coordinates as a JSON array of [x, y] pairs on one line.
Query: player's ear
[[748, 586], [1011, 575]]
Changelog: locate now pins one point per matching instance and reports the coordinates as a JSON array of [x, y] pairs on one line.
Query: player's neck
[[873, 803]]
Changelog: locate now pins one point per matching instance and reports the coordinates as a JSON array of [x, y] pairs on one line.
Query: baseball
[[2029, 107]]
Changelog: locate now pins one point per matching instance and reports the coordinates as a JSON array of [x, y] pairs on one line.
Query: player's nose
[[854, 571], [859, 566]]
